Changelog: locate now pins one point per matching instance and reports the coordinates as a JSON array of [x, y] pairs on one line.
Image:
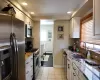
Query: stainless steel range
[[36, 64]]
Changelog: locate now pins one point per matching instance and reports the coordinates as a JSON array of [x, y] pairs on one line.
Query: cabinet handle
[[27, 63], [74, 74], [68, 66], [27, 72], [2, 63], [74, 68]]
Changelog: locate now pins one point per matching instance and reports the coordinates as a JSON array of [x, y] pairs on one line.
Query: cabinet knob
[[74, 68], [27, 63], [74, 74], [27, 72], [68, 66]]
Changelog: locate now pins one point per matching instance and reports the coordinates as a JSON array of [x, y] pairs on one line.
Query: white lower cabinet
[[68, 70], [73, 72], [29, 68], [74, 76]]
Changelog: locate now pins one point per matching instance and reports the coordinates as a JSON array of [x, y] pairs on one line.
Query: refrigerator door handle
[[16, 53], [13, 46]]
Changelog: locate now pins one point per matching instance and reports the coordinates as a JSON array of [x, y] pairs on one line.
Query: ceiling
[[51, 9]]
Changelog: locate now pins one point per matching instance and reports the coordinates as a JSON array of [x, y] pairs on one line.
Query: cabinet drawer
[[75, 69], [29, 60], [29, 67], [28, 76]]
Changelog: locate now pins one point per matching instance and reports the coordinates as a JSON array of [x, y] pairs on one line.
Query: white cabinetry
[[75, 27], [96, 16], [74, 76], [68, 70], [73, 71], [29, 68]]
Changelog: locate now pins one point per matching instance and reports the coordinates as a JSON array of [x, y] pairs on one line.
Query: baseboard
[[58, 66]]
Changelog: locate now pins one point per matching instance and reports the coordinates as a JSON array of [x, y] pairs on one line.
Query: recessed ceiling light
[[24, 3], [69, 12], [32, 13]]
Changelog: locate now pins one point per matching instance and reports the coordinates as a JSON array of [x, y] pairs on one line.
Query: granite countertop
[[28, 54], [89, 71]]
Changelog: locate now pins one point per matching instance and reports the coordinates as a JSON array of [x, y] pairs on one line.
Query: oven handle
[[2, 63]]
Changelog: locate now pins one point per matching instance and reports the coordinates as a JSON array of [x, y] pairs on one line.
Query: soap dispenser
[[88, 55]]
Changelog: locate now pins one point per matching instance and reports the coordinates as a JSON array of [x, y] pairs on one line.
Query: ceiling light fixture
[[24, 3], [32, 13], [69, 12]]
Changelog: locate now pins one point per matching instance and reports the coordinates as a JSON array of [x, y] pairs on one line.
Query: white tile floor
[[50, 73]]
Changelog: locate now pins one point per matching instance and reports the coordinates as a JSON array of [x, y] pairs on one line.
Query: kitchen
[[80, 36]]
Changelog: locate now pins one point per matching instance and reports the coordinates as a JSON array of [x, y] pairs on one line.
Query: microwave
[[28, 31]]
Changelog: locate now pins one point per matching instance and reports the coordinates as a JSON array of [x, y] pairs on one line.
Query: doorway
[[46, 42]]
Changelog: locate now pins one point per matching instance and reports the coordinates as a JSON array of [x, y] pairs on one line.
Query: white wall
[[48, 45], [60, 44]]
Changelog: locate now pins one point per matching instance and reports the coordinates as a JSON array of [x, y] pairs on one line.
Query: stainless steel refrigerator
[[12, 35]]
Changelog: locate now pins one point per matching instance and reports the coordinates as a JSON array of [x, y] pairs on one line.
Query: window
[[87, 29], [87, 40]]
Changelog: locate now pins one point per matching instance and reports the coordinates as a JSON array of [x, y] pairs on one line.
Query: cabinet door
[[75, 27], [96, 16], [71, 28], [68, 70], [74, 76]]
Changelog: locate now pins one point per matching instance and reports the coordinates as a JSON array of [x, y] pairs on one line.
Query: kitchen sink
[[78, 56], [91, 62]]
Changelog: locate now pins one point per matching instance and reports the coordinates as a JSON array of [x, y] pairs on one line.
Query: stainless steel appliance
[[28, 31], [5, 63], [36, 64], [12, 35]]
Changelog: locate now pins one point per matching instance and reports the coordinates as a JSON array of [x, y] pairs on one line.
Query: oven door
[[36, 65], [5, 62]]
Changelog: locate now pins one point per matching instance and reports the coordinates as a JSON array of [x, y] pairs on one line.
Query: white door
[[49, 46]]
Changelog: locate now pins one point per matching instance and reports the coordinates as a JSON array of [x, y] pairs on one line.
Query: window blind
[[87, 30]]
